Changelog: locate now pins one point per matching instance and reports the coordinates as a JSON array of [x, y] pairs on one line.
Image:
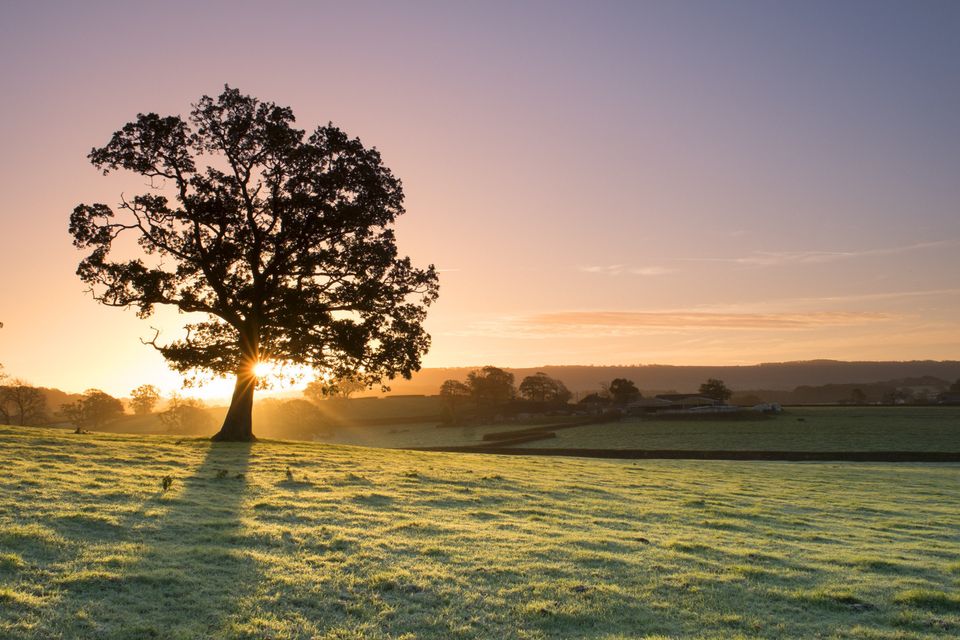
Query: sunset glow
[[610, 184]]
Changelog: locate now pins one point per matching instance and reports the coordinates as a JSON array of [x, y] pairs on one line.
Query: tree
[[857, 396], [716, 389], [542, 388], [93, 410], [454, 394], [144, 399], [954, 388], [490, 386], [185, 415], [22, 404], [623, 391], [282, 242], [320, 389]]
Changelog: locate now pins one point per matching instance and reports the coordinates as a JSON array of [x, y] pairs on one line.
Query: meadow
[[797, 429], [303, 540]]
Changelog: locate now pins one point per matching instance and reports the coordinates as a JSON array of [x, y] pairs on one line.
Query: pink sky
[[598, 183]]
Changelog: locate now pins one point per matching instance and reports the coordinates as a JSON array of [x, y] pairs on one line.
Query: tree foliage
[[21, 403], [453, 390], [454, 395], [326, 389], [144, 398], [542, 388], [623, 391], [490, 386], [716, 389], [280, 239], [93, 410]]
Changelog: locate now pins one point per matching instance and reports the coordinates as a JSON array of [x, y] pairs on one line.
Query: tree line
[[490, 390]]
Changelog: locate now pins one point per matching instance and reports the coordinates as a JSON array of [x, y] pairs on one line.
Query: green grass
[[367, 543], [798, 429]]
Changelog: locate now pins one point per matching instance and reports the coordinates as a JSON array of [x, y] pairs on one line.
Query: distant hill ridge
[[783, 376]]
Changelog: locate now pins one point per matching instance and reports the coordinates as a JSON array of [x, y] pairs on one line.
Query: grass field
[[367, 543], [798, 429]]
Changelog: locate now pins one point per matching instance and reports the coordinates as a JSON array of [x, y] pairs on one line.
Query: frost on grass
[[363, 543]]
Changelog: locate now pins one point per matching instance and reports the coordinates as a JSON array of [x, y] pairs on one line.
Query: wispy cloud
[[619, 269], [883, 295], [777, 258], [630, 323]]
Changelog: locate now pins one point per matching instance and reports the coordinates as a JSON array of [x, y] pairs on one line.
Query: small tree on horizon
[[21, 403], [143, 399], [542, 388], [716, 389], [454, 394], [623, 391], [281, 241], [490, 386], [319, 390], [93, 410]]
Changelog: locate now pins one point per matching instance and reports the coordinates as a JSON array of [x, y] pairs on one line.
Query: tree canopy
[[542, 388], [94, 409], [716, 389], [280, 240], [21, 403], [622, 390], [144, 398], [490, 386]]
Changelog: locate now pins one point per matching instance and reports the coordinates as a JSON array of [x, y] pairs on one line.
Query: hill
[[364, 543], [782, 376]]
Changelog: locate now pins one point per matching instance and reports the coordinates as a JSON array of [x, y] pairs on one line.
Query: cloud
[[885, 295], [632, 323], [778, 258], [619, 269]]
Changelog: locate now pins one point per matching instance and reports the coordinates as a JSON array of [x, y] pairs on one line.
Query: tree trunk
[[238, 425]]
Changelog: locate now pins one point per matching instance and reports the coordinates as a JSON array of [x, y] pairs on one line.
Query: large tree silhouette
[[280, 239]]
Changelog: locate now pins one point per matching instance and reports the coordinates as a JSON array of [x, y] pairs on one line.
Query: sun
[[262, 369]]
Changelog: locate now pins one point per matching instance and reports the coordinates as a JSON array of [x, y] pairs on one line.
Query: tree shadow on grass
[[187, 574]]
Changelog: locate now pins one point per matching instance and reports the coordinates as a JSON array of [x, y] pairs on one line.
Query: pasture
[[370, 543], [797, 429]]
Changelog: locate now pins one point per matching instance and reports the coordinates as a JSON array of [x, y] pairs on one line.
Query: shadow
[[180, 569]]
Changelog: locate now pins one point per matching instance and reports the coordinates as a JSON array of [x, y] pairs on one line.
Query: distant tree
[[185, 415], [490, 386], [623, 391], [716, 389], [454, 394], [93, 410], [320, 389], [22, 404], [144, 398], [454, 389], [542, 388], [857, 396], [281, 240], [955, 387]]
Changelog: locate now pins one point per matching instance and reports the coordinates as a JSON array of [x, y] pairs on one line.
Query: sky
[[597, 182]]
